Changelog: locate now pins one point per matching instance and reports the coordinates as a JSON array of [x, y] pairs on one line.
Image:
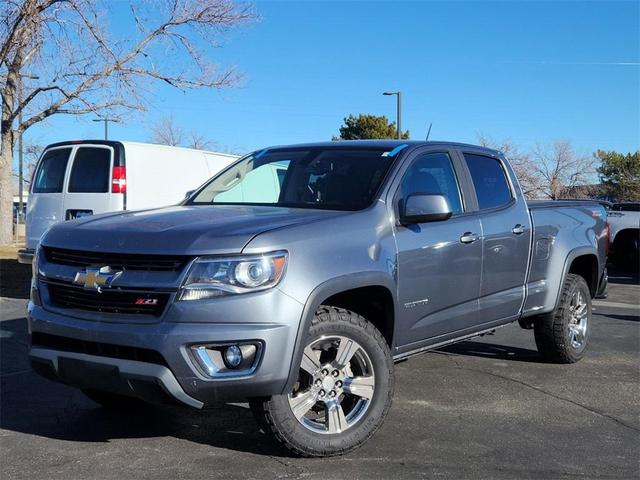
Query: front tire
[[562, 336], [343, 392]]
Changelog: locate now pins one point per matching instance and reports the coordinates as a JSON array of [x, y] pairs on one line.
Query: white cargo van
[[87, 177]]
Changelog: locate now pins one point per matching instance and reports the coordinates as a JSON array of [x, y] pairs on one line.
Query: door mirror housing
[[188, 194], [423, 207]]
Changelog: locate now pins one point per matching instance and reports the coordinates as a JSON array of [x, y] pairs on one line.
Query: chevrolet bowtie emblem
[[96, 277]]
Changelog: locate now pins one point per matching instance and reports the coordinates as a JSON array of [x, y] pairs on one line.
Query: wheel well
[[375, 303], [587, 267]]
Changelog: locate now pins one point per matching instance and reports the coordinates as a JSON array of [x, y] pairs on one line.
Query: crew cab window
[[489, 180], [90, 171], [50, 175], [433, 173]]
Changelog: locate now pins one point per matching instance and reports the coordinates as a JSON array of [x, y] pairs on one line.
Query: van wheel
[[562, 335], [343, 391], [113, 401]]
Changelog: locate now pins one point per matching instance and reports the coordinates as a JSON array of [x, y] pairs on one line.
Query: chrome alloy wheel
[[578, 320], [335, 385]]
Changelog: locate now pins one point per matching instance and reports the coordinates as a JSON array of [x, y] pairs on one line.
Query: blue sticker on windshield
[[262, 153], [395, 150]]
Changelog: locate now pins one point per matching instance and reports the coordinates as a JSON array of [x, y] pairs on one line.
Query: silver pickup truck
[[296, 277]]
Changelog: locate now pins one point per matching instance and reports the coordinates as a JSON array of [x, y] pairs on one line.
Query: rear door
[[506, 237], [45, 205], [88, 189]]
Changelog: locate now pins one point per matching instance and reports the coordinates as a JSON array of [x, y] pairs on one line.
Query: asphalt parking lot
[[487, 408]]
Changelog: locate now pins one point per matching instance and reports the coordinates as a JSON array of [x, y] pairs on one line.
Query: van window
[[90, 171], [489, 180], [50, 175]]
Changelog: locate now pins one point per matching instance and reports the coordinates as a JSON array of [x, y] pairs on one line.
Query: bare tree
[[167, 132], [561, 171], [523, 166], [58, 57], [198, 141]]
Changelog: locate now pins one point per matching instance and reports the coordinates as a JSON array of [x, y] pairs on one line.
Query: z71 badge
[[146, 301]]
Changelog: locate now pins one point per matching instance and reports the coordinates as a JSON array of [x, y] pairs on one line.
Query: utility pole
[[106, 121], [398, 95]]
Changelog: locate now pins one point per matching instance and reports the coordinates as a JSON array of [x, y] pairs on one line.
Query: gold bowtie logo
[[96, 277]]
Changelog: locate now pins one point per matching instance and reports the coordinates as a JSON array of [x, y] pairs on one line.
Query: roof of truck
[[390, 144]]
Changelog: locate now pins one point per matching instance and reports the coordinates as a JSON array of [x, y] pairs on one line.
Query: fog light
[[233, 356], [230, 360]]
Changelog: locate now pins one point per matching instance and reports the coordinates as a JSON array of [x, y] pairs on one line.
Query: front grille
[[117, 261], [108, 300], [66, 344]]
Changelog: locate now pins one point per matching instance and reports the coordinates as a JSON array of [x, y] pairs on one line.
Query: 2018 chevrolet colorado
[[296, 277]]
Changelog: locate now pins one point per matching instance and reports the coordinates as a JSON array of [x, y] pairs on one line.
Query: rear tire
[[343, 392], [113, 401], [562, 336]]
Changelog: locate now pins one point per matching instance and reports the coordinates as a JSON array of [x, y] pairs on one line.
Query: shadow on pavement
[[496, 352], [33, 405], [628, 318], [15, 279]]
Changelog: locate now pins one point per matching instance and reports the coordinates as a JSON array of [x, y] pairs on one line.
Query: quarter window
[[489, 180], [90, 172], [433, 173], [50, 175]]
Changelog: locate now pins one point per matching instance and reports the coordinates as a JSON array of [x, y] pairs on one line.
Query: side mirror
[[423, 207], [188, 194]]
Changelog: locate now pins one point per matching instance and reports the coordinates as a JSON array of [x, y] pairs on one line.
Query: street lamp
[[398, 111], [106, 123]]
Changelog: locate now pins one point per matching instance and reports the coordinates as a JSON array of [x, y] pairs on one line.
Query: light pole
[[20, 157], [398, 94], [106, 125]]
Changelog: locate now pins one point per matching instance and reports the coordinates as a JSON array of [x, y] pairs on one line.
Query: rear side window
[[50, 175], [433, 173], [90, 171], [489, 180]]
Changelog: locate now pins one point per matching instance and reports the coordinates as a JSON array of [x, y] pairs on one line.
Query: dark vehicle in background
[[624, 221], [352, 256]]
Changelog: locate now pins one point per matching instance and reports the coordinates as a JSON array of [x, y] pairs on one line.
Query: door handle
[[518, 229], [468, 237]]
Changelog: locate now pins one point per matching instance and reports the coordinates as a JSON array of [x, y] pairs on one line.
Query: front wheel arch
[[325, 291]]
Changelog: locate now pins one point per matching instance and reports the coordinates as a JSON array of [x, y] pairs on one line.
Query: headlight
[[213, 277]]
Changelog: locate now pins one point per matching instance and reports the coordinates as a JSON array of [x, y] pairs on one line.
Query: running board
[[417, 351]]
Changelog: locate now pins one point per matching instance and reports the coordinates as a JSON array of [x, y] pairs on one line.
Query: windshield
[[328, 178]]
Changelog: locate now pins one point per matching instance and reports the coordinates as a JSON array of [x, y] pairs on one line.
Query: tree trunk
[[6, 190]]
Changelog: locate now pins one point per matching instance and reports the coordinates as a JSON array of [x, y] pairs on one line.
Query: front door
[[439, 263]]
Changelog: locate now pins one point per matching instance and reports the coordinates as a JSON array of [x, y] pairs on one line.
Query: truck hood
[[180, 230]]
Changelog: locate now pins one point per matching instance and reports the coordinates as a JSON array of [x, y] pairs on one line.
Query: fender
[[573, 254], [321, 293]]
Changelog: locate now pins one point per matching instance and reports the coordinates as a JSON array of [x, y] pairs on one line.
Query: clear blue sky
[[527, 70]]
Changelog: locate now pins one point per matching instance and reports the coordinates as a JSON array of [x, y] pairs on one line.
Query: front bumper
[[270, 318], [25, 255]]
